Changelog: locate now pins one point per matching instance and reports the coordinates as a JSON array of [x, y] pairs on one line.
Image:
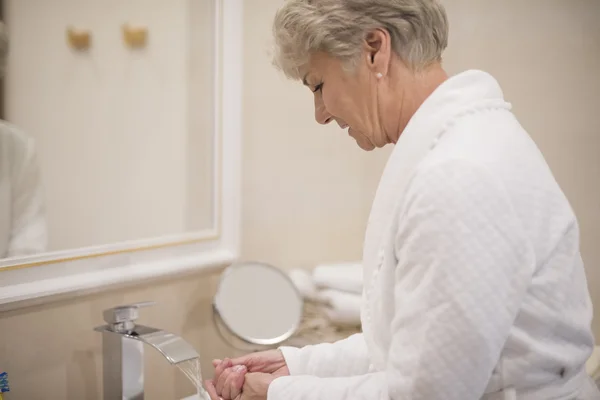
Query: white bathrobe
[[22, 213], [474, 284]]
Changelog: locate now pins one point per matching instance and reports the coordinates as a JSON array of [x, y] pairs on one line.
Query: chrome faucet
[[123, 351]]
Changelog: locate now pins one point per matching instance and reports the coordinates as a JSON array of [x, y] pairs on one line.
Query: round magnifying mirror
[[258, 304]]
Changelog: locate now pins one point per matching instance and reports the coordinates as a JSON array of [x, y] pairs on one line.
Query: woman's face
[[354, 99], [376, 100], [350, 99]]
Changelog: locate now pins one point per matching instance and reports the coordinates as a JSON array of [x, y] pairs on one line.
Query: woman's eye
[[318, 88]]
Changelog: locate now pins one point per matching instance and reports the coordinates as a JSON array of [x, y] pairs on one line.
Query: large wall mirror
[[112, 136]]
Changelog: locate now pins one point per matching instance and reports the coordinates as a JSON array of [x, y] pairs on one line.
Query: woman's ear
[[378, 48]]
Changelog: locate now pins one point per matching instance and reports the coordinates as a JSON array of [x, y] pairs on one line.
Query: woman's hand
[[228, 381], [255, 387], [270, 362]]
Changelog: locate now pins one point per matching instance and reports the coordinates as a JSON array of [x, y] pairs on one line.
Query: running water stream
[[193, 371]]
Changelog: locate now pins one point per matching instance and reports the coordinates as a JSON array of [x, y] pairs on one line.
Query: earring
[[379, 75]]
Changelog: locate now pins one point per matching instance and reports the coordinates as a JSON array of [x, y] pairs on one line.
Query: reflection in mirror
[[257, 304], [101, 141]]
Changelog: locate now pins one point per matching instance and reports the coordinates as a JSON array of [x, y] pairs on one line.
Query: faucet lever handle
[[141, 304], [125, 314]]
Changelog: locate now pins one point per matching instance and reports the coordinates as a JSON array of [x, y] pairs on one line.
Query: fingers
[[211, 390], [264, 361], [234, 382], [216, 362], [219, 371], [220, 383], [246, 360]]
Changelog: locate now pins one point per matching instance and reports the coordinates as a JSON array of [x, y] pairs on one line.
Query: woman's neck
[[408, 91]]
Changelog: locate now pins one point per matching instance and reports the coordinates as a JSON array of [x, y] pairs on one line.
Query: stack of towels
[[338, 287]]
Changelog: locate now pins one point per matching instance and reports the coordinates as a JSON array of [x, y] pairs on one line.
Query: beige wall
[[307, 188]]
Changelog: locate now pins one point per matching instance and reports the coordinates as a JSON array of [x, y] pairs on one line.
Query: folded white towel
[[347, 277], [339, 290], [342, 308], [304, 283]]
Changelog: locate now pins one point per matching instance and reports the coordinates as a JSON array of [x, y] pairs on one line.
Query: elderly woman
[[474, 283]]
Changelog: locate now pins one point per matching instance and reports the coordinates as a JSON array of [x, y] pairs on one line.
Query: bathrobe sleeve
[[345, 357], [464, 265], [28, 230]]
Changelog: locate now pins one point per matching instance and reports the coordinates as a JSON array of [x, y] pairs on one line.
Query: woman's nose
[[321, 115]]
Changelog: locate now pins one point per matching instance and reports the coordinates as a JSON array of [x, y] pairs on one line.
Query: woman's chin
[[362, 141], [365, 144]]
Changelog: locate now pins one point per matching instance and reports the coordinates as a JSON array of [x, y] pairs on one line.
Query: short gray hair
[[418, 30], [3, 48]]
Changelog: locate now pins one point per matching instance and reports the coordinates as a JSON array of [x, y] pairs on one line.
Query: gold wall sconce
[[135, 37], [79, 39]]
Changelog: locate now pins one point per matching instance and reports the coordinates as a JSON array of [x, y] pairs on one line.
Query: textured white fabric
[[303, 281], [22, 212], [474, 284], [346, 357]]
